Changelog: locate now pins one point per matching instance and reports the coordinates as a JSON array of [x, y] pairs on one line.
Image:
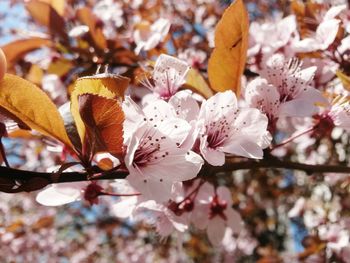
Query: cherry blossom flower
[[213, 212], [154, 156], [165, 220], [263, 96], [325, 72], [148, 36], [226, 129], [168, 75], [340, 113], [195, 58], [125, 205], [335, 115], [269, 37], [111, 13], [325, 34], [284, 90]]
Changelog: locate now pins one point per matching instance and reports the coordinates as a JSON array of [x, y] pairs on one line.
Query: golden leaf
[[227, 61], [32, 106], [105, 85], [198, 84]]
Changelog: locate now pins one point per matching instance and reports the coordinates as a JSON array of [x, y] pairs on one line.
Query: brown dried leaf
[[103, 119], [105, 85], [19, 48], [86, 16], [46, 15]]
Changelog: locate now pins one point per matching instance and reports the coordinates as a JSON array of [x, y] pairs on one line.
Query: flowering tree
[[227, 138]]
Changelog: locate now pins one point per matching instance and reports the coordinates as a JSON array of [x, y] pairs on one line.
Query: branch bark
[[14, 180]]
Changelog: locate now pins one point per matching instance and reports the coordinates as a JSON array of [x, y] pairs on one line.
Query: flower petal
[[56, 195], [216, 231], [234, 220], [213, 157], [151, 188]]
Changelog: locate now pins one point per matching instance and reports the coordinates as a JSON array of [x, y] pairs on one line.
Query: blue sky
[[14, 19]]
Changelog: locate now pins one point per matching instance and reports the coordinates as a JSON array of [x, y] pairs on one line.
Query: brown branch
[[274, 163], [14, 180]]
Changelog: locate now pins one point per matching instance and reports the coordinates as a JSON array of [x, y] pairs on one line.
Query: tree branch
[[274, 163], [14, 180]]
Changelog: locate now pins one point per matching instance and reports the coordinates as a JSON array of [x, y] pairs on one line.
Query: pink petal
[[151, 187], [176, 168], [244, 146], [261, 95], [224, 194], [326, 32], [185, 106], [125, 206], [213, 157], [234, 220], [216, 230], [334, 11], [158, 110]]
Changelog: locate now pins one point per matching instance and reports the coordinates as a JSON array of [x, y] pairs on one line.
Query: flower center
[[217, 132], [149, 151], [324, 125], [217, 208]]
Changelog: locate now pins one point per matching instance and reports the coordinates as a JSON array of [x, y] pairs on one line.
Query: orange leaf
[[58, 5], [227, 61], [46, 15], [32, 106], [103, 118], [198, 84], [88, 18], [19, 48], [22, 134], [105, 85]]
